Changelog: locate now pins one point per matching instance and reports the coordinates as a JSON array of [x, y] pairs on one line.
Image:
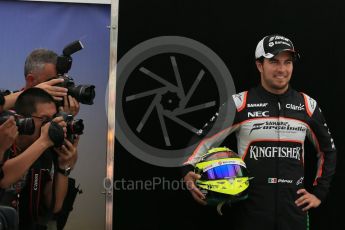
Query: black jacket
[[271, 131]]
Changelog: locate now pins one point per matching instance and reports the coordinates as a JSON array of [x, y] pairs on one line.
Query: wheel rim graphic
[[163, 102]]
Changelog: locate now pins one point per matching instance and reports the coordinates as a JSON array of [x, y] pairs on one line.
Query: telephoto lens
[[26, 125]]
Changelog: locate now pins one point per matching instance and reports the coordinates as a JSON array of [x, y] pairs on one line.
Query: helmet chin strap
[[219, 207], [228, 202], [221, 204]]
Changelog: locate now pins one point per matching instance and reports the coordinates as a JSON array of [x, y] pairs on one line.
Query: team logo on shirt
[[300, 181], [257, 105], [299, 107], [312, 103], [258, 114], [257, 152], [279, 126], [273, 180]]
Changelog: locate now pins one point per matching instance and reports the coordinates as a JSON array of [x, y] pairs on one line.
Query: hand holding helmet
[[190, 179], [223, 177]]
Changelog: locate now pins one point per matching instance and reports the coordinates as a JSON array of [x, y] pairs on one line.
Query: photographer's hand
[[71, 105], [10, 100], [8, 133], [68, 154], [56, 91], [61, 122], [45, 130]]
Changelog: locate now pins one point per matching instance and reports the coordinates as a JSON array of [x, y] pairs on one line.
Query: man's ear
[[30, 80], [259, 66]]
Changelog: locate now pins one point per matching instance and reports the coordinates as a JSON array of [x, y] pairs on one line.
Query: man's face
[[44, 111], [37, 77], [276, 72]]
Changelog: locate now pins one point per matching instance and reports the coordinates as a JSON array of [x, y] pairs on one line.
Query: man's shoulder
[[310, 103], [240, 100], [305, 95]]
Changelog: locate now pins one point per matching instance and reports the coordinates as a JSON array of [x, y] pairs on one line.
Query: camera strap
[[38, 178]]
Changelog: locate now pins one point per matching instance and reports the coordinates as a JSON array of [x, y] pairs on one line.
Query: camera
[[82, 93], [3, 93], [2, 97], [74, 126], [8, 218], [26, 126]]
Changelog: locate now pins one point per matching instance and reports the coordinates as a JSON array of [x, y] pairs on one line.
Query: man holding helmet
[[271, 124]]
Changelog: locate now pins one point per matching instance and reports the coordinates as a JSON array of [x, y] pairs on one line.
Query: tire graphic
[[167, 89]]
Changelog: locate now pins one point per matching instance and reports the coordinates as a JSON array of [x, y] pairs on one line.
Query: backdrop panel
[[29, 25], [74, 1], [231, 29]]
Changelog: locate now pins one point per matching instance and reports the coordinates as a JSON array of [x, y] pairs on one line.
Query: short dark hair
[[260, 59], [26, 102], [36, 60]]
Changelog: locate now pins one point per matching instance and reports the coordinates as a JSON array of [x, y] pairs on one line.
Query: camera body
[[82, 93], [74, 126], [2, 99], [26, 125], [9, 219], [3, 93]]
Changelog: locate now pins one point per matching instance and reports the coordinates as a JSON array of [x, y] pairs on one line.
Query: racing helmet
[[224, 177]]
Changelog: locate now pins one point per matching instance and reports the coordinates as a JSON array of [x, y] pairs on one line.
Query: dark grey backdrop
[[232, 29]]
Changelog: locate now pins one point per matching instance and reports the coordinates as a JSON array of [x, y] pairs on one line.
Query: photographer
[[8, 133], [52, 186], [40, 67], [8, 130]]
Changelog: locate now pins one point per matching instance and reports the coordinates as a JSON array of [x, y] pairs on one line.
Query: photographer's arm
[[10, 100], [67, 157], [56, 91], [15, 168], [8, 133]]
